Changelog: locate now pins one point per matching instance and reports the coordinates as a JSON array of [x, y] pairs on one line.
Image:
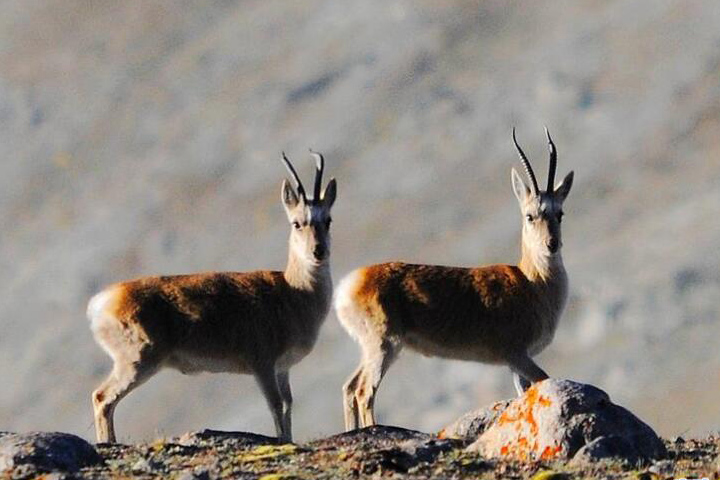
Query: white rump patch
[[345, 306], [98, 303]]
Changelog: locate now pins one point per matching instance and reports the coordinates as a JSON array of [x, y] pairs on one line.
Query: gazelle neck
[[538, 266], [305, 274]]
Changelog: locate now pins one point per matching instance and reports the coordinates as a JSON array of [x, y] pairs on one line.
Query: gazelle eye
[[296, 225], [529, 217]]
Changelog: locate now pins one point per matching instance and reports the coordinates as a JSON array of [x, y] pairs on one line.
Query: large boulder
[[45, 452], [562, 419]]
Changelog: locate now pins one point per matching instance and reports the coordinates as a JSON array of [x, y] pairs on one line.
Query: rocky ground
[[376, 451], [574, 430]]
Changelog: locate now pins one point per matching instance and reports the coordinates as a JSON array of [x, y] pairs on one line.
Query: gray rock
[[377, 436], [663, 468], [561, 419], [142, 466], [610, 447], [389, 448], [473, 424], [194, 474], [426, 450], [237, 439], [45, 452]]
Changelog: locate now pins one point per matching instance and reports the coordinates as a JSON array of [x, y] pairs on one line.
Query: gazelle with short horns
[[260, 323], [498, 314]]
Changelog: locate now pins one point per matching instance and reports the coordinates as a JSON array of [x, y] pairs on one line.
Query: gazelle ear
[[288, 196], [330, 193], [562, 190], [521, 190]]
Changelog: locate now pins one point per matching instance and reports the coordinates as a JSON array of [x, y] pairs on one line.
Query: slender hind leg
[[527, 370], [350, 405], [124, 378], [376, 362], [283, 381]]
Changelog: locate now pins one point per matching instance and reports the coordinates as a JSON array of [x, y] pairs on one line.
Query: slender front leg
[[524, 367], [521, 384], [267, 380], [283, 381]]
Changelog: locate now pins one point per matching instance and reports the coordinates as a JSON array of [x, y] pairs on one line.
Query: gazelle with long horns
[[498, 314], [260, 323]]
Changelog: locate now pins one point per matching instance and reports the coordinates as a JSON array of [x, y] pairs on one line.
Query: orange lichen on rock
[[519, 450], [551, 452], [524, 410], [522, 417]]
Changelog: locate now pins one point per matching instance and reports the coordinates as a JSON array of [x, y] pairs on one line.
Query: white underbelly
[[473, 352], [292, 357], [191, 363]]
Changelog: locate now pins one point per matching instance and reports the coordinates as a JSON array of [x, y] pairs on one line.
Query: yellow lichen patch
[[277, 476], [158, 445], [550, 475], [268, 451]]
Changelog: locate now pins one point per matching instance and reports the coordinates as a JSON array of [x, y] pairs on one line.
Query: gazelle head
[[309, 217], [542, 210]]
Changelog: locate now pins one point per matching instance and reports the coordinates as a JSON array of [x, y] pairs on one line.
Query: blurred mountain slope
[[143, 137]]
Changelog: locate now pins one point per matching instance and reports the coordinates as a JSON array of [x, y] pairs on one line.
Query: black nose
[[319, 252], [553, 245]]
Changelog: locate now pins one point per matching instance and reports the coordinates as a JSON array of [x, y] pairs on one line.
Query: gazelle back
[[499, 314], [260, 323]]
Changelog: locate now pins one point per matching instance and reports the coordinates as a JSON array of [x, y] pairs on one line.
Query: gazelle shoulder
[[497, 282], [500, 272]]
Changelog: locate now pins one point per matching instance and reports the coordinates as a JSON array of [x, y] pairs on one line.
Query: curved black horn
[[298, 183], [526, 164], [320, 166], [553, 163]]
